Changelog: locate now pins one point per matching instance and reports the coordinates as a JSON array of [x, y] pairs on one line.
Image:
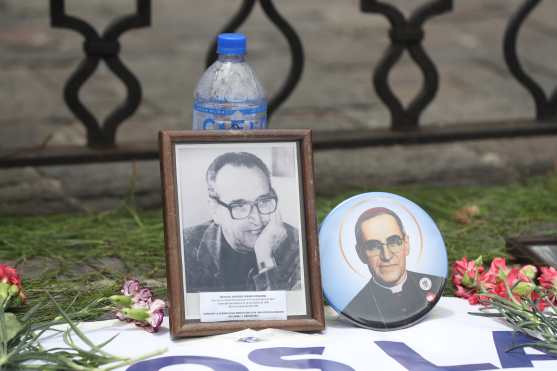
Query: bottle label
[[209, 118]]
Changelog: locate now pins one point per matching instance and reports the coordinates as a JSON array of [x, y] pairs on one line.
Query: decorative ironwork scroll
[[546, 107], [294, 42], [406, 34], [101, 47]]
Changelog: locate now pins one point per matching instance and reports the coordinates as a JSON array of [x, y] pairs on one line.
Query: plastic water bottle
[[228, 95]]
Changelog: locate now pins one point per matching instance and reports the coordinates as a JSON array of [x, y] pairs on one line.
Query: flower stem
[[76, 329], [135, 360], [4, 329]]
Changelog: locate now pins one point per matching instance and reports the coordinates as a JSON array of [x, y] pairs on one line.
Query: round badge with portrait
[[383, 261]]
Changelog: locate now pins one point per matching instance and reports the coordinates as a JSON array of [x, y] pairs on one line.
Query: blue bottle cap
[[231, 43], [383, 261]]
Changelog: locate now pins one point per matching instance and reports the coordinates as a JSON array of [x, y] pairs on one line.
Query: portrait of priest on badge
[[241, 224], [391, 261], [394, 293]]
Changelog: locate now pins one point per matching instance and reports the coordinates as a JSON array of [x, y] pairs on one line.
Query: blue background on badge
[[344, 275]]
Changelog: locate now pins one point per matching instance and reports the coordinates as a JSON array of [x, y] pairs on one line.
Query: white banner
[[447, 339]]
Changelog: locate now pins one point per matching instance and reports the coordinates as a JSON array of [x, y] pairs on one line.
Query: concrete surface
[[341, 44]]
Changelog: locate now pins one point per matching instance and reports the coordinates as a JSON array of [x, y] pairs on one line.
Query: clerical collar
[[396, 288]]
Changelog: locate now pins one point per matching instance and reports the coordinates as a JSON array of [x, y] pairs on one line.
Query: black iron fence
[[406, 34]]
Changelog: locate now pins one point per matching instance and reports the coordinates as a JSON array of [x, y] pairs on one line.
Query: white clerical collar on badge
[[385, 236], [396, 288]]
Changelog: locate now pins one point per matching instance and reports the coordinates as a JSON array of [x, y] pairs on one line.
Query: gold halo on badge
[[362, 202]]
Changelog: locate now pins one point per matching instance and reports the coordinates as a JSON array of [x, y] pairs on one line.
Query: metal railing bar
[[297, 59], [546, 108], [322, 140]]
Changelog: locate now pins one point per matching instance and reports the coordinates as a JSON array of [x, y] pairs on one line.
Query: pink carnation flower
[[511, 283], [143, 295], [131, 287], [155, 318], [465, 277], [141, 309], [500, 279], [548, 278], [10, 277], [497, 267], [548, 282]]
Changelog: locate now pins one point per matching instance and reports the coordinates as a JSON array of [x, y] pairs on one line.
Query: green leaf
[[467, 281], [529, 271], [4, 290], [121, 300], [12, 326], [523, 288], [138, 314]]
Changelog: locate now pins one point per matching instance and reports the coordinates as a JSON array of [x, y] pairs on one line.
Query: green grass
[[504, 211], [72, 243]]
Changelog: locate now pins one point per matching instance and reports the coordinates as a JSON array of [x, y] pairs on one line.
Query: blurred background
[[342, 46]]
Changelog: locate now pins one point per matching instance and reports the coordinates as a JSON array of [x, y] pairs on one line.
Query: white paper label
[[242, 306]]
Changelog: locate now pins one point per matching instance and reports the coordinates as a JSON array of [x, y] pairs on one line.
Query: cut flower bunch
[[20, 345], [524, 296], [138, 306]]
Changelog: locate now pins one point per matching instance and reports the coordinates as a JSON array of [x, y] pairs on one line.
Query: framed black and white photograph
[[240, 231]]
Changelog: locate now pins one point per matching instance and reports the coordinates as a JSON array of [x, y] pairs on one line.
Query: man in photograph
[[394, 296], [246, 246]]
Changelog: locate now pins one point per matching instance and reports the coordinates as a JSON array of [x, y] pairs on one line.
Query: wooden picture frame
[[197, 250], [532, 248]]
